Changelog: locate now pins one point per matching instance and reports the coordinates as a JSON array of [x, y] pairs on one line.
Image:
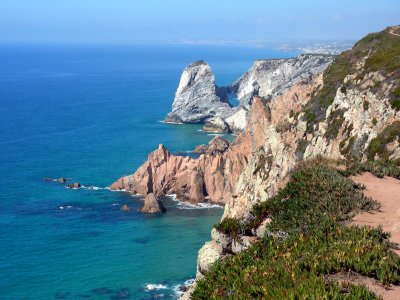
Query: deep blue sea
[[92, 114]]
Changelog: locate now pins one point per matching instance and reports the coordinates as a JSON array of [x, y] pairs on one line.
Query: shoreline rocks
[[216, 124], [152, 205], [209, 178], [75, 185]]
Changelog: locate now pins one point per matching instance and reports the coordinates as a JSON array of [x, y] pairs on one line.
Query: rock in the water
[[216, 124], [125, 208], [62, 180], [217, 145], [75, 185], [201, 149], [152, 205], [197, 97], [59, 180]]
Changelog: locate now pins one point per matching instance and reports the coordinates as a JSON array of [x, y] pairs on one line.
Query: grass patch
[[379, 168], [295, 268]]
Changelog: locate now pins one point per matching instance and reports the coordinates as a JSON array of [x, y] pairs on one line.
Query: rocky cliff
[[270, 77], [197, 97], [199, 100], [211, 177], [350, 112]]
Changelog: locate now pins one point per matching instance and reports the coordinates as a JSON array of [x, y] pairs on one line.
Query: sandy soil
[[387, 192]]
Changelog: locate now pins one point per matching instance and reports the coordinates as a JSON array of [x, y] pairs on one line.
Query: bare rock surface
[[271, 77], [216, 124], [197, 97], [152, 205]]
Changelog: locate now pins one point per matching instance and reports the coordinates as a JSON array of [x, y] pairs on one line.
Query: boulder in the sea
[[217, 145], [216, 124], [197, 97], [125, 207], [62, 180], [75, 185], [59, 180], [201, 149], [152, 205]]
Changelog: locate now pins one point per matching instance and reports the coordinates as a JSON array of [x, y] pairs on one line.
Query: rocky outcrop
[[152, 205], [201, 149], [216, 124], [199, 100], [209, 178], [75, 185], [59, 180], [197, 97], [270, 77]]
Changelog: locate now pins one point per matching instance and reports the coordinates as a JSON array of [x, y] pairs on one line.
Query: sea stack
[[197, 97], [152, 205]]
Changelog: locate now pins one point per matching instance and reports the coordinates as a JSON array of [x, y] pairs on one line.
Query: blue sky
[[129, 21]]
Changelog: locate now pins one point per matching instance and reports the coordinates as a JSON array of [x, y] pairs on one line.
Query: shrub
[[378, 144]]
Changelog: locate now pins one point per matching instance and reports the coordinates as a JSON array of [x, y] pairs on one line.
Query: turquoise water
[[92, 114]]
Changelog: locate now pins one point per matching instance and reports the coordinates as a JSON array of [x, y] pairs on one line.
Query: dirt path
[[387, 192], [391, 30]]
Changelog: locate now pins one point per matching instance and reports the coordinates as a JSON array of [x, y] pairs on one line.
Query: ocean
[[92, 113]]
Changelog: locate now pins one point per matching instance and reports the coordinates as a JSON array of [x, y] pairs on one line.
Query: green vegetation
[[374, 121], [378, 144], [365, 105], [383, 50], [310, 211], [335, 121], [379, 168], [396, 99]]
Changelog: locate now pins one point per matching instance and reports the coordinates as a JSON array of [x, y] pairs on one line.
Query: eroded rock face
[[211, 177], [197, 97], [216, 124], [271, 77], [152, 205]]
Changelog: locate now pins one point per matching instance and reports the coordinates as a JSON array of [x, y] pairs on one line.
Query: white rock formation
[[271, 77], [197, 97]]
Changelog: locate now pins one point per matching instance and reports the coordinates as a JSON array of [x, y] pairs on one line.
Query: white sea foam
[[169, 122], [66, 207], [187, 283], [155, 286], [96, 188], [186, 205]]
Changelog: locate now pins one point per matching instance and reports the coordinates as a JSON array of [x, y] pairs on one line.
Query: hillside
[[350, 116]]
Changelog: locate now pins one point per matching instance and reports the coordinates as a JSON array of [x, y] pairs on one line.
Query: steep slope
[[349, 112]]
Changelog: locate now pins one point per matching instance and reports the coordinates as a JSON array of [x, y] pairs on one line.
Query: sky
[[136, 21]]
